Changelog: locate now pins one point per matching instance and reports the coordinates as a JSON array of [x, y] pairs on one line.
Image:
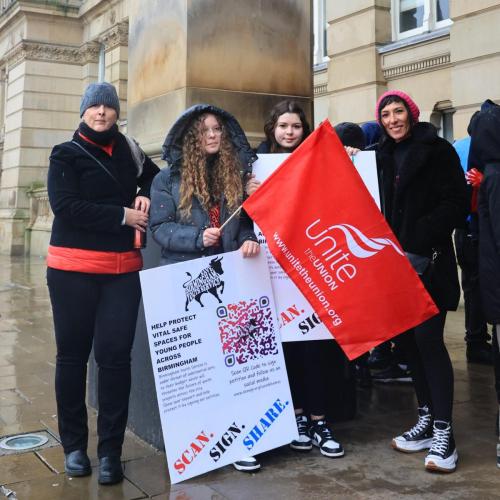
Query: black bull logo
[[207, 281]]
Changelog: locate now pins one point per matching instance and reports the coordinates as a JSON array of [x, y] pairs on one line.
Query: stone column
[[243, 56], [115, 43], [354, 73], [475, 39], [44, 85]]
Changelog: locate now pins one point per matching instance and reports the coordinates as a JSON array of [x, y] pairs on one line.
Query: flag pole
[[237, 211]]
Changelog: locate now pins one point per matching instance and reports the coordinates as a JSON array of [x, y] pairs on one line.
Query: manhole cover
[[22, 443]]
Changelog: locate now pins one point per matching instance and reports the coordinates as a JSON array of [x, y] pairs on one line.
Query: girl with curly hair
[[208, 159]]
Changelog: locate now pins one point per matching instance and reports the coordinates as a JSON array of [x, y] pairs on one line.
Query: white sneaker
[[419, 437], [442, 456], [247, 464]]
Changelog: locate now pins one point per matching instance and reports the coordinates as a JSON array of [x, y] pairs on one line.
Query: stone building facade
[[49, 51], [443, 52]]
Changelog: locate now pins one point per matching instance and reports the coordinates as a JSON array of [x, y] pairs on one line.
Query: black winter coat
[[485, 143], [425, 202], [181, 241], [88, 204]]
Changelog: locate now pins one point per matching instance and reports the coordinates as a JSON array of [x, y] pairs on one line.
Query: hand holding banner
[[327, 233]]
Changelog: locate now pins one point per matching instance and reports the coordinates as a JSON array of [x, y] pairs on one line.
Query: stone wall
[[446, 70], [49, 52]]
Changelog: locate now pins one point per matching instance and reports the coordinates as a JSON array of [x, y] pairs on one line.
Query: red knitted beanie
[[414, 111]]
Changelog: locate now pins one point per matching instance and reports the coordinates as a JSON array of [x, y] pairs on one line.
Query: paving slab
[[22, 467], [371, 469], [61, 487], [150, 474]]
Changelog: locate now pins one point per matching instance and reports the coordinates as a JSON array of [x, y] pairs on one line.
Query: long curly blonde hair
[[224, 177]]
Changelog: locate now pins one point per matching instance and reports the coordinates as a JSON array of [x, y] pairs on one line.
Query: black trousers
[[476, 328], [430, 366], [99, 310], [496, 359], [306, 364]]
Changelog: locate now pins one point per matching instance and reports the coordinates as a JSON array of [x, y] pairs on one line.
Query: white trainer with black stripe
[[322, 437], [419, 437], [247, 464]]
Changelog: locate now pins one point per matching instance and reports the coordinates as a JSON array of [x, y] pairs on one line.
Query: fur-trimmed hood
[[172, 147]]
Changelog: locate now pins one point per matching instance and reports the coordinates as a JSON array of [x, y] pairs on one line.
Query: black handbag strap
[[88, 153]]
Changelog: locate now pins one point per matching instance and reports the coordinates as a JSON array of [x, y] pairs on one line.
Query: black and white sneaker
[[498, 455], [247, 464], [322, 437], [419, 437], [304, 443], [442, 456]]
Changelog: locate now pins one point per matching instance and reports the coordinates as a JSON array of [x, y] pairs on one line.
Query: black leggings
[[496, 359], [306, 367], [430, 365], [98, 309]]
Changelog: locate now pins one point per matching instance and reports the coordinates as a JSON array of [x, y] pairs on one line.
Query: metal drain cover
[[22, 443]]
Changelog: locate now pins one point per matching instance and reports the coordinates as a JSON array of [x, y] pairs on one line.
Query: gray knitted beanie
[[100, 93]]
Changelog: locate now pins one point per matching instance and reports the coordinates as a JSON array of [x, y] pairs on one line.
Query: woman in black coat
[[424, 199], [93, 277]]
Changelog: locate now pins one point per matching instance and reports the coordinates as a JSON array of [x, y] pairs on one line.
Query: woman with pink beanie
[[424, 198]]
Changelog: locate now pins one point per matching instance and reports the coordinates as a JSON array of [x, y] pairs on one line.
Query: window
[[412, 17], [320, 25], [442, 118], [102, 64]]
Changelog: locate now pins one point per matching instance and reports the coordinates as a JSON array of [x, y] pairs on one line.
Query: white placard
[[297, 319], [218, 365]]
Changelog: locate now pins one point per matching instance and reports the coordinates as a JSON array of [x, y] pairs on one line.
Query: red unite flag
[[326, 231]]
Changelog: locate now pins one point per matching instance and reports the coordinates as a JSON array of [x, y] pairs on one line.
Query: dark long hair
[[389, 100], [288, 106]]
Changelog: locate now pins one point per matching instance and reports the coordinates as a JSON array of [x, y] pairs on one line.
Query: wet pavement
[[370, 469]]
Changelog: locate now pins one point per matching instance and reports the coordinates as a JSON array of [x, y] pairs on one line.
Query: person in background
[[208, 159], [484, 130], [350, 134], [424, 199], [93, 277], [387, 360], [478, 348], [372, 132], [306, 361]]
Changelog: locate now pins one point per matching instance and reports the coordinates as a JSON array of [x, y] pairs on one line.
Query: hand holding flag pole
[[237, 211]]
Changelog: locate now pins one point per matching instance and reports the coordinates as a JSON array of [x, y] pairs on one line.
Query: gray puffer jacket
[[181, 241]]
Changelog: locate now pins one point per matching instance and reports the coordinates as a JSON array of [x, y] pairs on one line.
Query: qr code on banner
[[246, 331]]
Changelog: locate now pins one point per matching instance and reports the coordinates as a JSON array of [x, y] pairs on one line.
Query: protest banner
[[218, 365], [297, 319], [331, 239]]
